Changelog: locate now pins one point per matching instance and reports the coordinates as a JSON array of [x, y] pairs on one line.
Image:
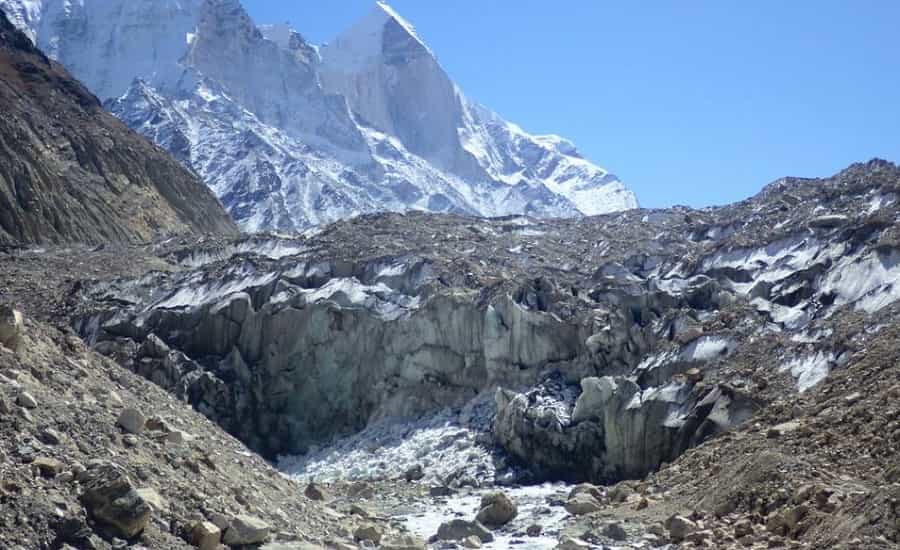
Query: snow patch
[[809, 371]]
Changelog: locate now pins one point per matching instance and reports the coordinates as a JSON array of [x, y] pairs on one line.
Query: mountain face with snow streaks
[[290, 135]]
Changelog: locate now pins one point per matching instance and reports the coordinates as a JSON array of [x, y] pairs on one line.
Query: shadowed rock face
[[71, 172], [612, 343]]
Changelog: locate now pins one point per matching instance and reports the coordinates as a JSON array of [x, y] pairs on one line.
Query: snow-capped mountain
[[289, 135]]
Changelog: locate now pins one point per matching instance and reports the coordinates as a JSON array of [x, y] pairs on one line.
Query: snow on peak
[[406, 25], [291, 137], [280, 33], [365, 41]]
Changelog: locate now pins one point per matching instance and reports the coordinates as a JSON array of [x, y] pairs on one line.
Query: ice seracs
[[291, 136]]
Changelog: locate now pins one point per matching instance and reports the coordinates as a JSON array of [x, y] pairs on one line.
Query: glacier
[[290, 135]]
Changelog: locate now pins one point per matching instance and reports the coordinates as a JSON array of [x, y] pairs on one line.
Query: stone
[[220, 520], [743, 528], [49, 436], [679, 527], [157, 424], [154, 499], [534, 530], [471, 542], [11, 327], [368, 532], [314, 492], [414, 473], [590, 489], [853, 398], [581, 504], [48, 467], [206, 535], [614, 531], [244, 530], [132, 420], [459, 529], [403, 542], [26, 401], [693, 375], [130, 440], [111, 499], [496, 509], [572, 543], [5, 407], [177, 437]]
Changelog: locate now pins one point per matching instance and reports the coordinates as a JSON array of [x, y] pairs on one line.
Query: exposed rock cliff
[[69, 171]]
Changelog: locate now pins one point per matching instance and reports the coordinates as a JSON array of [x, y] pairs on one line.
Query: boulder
[[615, 531], [679, 527], [48, 467], [496, 509], [368, 532], [132, 420], [205, 535], [154, 499], [26, 401], [11, 327], [111, 499], [244, 530], [582, 503], [49, 436], [459, 529]]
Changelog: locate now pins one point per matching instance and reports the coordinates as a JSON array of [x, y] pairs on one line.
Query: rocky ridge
[[70, 172]]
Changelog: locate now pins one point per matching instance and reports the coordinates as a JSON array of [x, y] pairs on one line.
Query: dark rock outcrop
[[70, 172]]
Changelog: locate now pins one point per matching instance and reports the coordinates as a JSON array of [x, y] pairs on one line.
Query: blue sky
[[696, 102]]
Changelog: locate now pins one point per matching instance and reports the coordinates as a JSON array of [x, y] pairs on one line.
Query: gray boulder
[[496, 509], [111, 499], [460, 529], [11, 327], [244, 530]]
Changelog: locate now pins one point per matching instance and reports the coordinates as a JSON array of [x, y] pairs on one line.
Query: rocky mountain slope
[[583, 350], [289, 137], [70, 172]]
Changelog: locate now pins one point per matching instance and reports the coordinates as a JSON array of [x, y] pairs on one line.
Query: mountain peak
[[384, 9], [383, 32]]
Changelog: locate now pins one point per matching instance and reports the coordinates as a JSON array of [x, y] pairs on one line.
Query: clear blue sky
[[695, 102]]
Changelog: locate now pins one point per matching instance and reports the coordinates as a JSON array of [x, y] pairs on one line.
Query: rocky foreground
[[702, 378]]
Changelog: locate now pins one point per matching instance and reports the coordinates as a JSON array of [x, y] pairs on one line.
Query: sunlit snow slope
[[291, 136]]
